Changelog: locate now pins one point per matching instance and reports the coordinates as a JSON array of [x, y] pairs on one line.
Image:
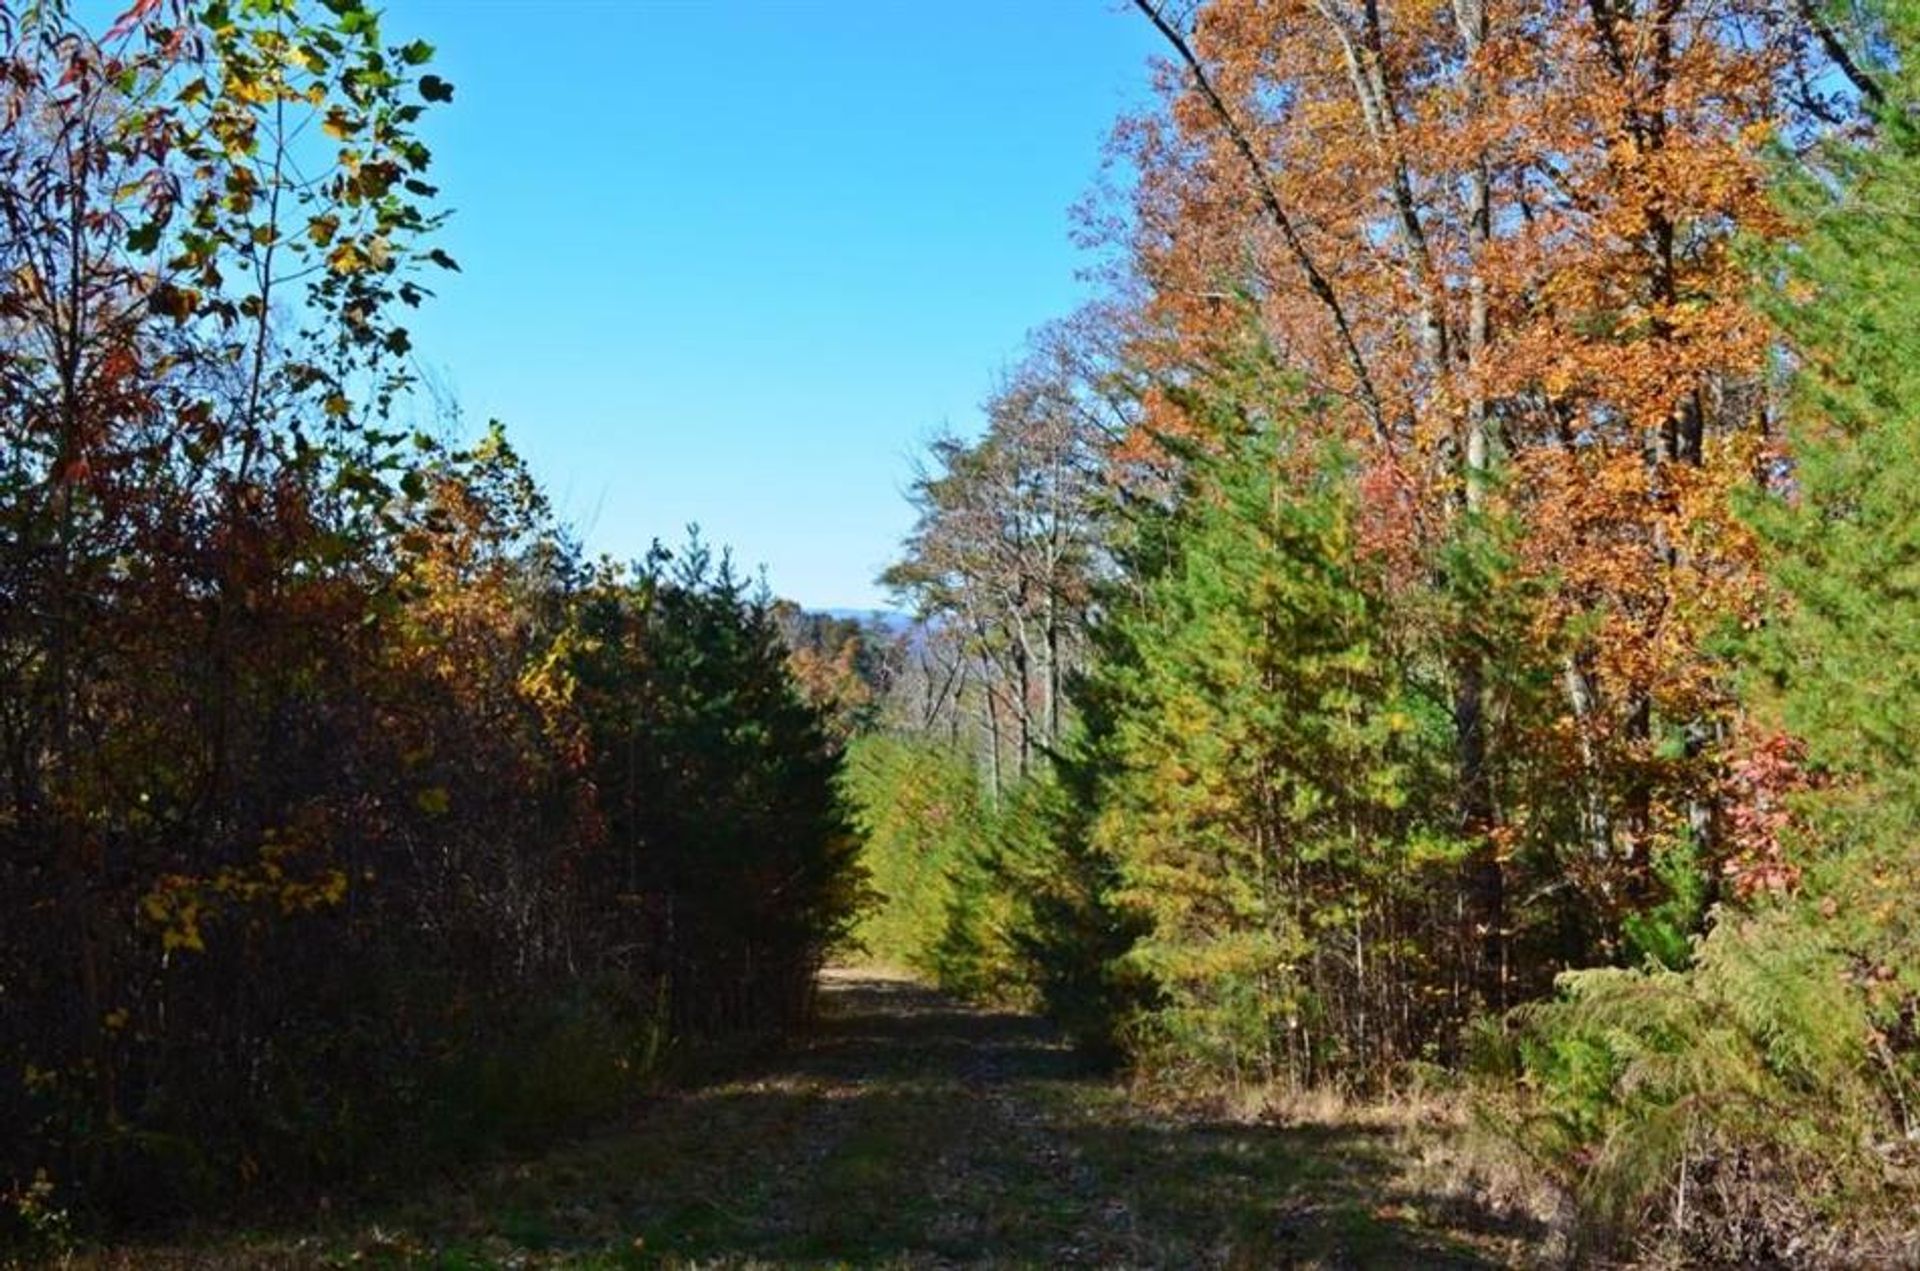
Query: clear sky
[[733, 262]]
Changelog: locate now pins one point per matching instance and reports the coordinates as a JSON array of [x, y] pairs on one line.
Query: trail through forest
[[911, 1131]]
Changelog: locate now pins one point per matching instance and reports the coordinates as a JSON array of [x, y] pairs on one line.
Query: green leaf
[[415, 54], [435, 89], [356, 19]]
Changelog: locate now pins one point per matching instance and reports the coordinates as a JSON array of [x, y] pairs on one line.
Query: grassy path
[[913, 1132]]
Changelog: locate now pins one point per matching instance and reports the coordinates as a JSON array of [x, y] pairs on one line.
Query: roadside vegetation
[[1401, 746], [1476, 574]]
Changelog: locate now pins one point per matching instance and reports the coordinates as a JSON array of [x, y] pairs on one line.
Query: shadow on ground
[[911, 1131]]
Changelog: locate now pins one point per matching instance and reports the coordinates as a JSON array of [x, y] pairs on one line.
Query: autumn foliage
[[347, 815], [1462, 432], [1443, 616]]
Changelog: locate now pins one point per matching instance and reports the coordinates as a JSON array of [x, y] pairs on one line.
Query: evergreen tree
[[1837, 662], [728, 835], [1267, 758], [1772, 1088]]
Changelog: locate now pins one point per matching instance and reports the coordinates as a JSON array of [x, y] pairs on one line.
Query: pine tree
[[1769, 1091], [730, 842], [1269, 755], [1836, 664]]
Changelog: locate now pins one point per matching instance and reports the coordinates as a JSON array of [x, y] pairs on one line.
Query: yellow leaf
[[321, 229], [246, 88]]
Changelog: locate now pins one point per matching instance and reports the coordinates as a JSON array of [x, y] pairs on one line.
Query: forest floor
[[911, 1131]]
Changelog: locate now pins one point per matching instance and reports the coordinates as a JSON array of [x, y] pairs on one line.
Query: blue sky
[[734, 262]]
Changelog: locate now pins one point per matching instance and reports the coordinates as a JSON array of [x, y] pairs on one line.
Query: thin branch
[[1837, 53], [1317, 281]]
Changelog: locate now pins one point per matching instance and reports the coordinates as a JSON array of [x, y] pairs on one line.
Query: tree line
[[1445, 609], [349, 814]]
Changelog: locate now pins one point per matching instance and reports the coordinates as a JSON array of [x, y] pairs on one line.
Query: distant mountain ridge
[[889, 620]]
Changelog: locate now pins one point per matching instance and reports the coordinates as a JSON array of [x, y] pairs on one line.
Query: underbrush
[[503, 1077], [551, 1067], [1752, 1109]]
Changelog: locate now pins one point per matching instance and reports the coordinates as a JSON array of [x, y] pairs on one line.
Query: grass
[[913, 1132]]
